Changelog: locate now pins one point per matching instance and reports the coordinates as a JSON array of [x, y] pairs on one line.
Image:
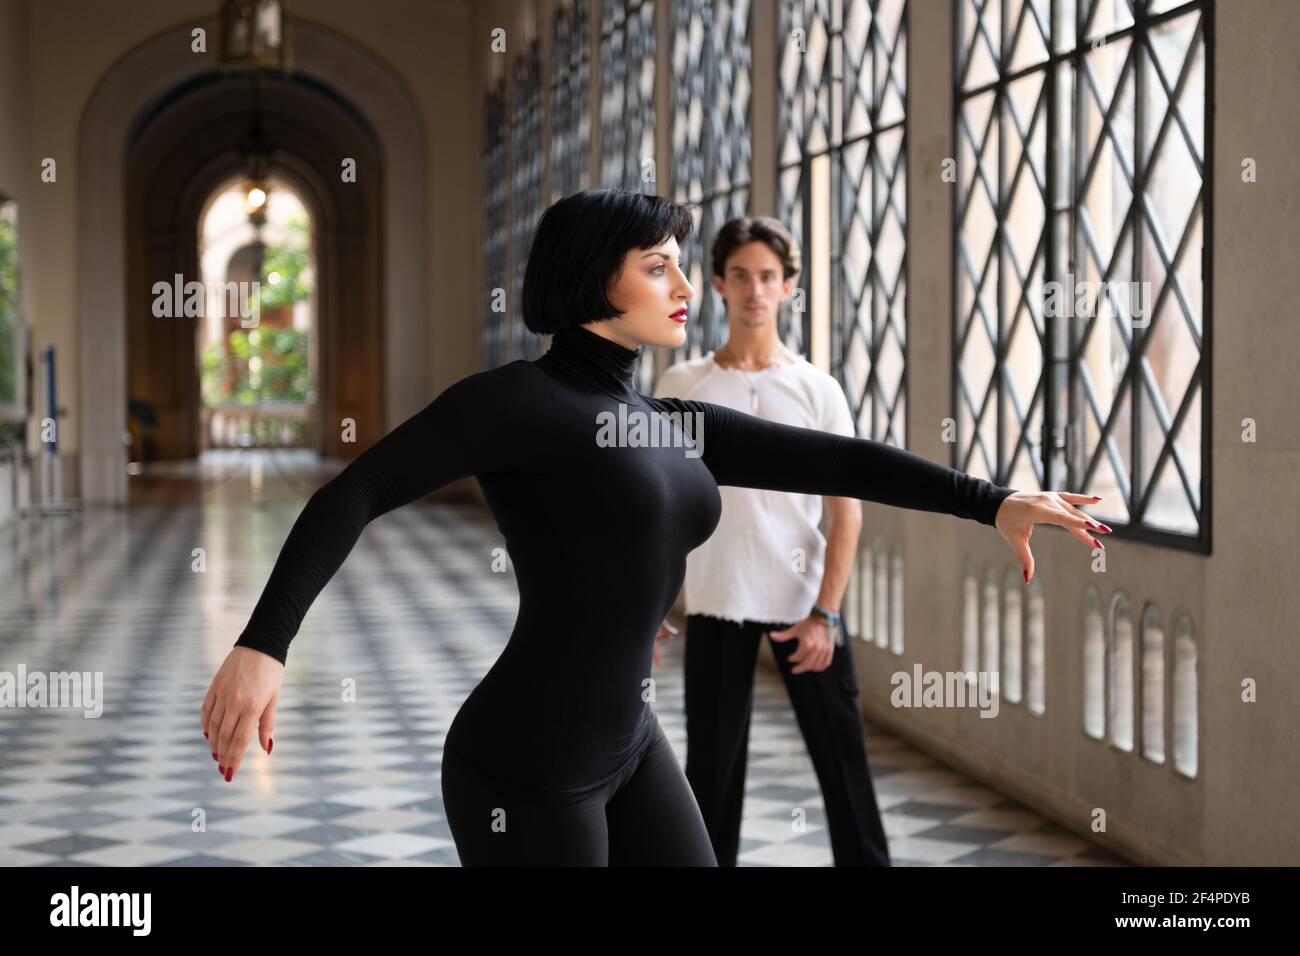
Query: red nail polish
[[221, 770], [205, 735], [214, 756], [229, 773], [1098, 544], [270, 742], [1026, 575]]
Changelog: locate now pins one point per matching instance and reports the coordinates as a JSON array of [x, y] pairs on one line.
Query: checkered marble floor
[[385, 656]]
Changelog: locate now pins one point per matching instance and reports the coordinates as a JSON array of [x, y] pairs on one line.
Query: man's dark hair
[[746, 229]]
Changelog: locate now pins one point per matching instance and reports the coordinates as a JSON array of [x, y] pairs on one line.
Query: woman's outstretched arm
[[751, 452], [488, 421], [481, 423]]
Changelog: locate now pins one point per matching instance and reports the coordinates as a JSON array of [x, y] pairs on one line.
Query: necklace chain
[[753, 388]]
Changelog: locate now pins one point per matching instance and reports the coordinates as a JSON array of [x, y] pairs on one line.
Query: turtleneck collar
[[596, 361]]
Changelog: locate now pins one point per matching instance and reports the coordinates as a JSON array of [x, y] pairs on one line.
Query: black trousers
[[646, 816], [720, 660]]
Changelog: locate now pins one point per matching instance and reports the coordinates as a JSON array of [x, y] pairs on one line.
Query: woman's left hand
[[1019, 512]]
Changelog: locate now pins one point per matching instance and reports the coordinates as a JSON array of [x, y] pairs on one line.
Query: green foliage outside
[[271, 364], [8, 306]]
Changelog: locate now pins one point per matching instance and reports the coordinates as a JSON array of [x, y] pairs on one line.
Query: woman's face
[[649, 289]]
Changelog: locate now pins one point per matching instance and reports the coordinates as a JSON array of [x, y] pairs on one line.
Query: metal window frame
[[844, 320], [716, 50], [1057, 466], [525, 177], [568, 116], [624, 53], [496, 234]]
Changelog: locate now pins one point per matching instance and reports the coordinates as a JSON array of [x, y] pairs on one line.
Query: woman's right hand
[[242, 696], [1020, 511]]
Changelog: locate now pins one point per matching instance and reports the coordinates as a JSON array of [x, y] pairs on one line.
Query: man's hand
[[815, 645], [666, 633]]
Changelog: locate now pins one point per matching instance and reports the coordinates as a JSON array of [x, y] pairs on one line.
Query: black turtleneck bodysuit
[[598, 537]]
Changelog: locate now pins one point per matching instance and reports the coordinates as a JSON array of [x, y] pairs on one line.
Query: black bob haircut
[[579, 247]]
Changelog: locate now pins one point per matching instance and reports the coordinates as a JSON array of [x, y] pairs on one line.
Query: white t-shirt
[[749, 570]]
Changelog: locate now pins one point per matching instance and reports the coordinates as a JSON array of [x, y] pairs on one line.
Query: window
[[842, 75], [526, 194], [970, 631], [990, 629], [627, 81], [512, 204], [896, 633], [711, 144], [570, 101], [1094, 665], [1119, 673], [1153, 686], [12, 347], [1013, 629], [1186, 733], [496, 204], [1080, 250], [881, 601], [1036, 647]]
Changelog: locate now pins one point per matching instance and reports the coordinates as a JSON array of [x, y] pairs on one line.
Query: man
[[768, 570]]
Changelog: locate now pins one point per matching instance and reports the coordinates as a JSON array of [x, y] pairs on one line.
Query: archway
[[258, 372], [135, 93], [183, 154]]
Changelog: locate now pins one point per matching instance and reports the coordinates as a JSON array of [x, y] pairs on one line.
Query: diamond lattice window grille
[[842, 186], [1080, 242]]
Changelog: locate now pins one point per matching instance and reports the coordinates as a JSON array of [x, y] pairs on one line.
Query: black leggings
[[646, 816]]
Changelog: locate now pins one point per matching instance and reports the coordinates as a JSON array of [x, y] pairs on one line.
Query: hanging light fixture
[[253, 35], [253, 38], [254, 162]]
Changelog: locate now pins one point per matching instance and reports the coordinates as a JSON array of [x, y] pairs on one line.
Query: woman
[[556, 756]]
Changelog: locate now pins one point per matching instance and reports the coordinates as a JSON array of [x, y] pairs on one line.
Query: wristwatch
[[833, 620]]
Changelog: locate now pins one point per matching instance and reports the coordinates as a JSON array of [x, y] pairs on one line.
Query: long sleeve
[[751, 452], [485, 422]]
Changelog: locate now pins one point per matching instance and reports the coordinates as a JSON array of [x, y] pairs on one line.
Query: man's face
[[752, 285]]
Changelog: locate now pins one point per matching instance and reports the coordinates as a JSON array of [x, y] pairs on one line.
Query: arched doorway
[[257, 372], [186, 151], [137, 101]]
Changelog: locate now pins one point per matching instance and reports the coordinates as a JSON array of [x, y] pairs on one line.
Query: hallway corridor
[[411, 621]]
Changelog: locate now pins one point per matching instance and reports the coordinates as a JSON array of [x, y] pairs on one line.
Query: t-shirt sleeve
[[836, 416], [489, 421], [751, 452]]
